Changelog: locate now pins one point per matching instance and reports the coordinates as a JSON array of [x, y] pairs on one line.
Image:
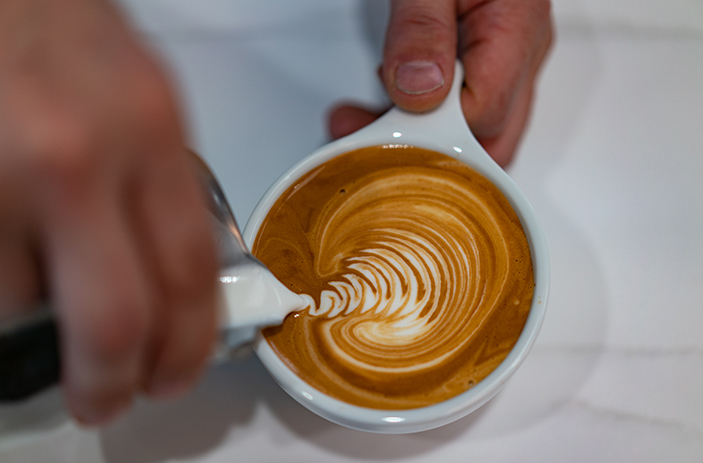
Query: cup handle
[[445, 123]]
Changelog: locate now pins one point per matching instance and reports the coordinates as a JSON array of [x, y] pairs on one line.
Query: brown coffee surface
[[417, 270]]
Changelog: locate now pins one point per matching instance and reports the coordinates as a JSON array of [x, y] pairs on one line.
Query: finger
[[177, 229], [418, 61], [503, 146], [345, 119], [177, 239], [99, 289], [501, 45]]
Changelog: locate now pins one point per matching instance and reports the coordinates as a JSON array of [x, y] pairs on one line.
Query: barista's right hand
[[99, 211]]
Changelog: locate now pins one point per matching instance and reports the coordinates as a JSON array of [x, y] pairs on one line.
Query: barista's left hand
[[501, 43]]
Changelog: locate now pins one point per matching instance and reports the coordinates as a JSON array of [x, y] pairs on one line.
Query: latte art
[[416, 271], [405, 286]]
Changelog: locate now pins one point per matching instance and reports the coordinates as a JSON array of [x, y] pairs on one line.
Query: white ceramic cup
[[444, 130]]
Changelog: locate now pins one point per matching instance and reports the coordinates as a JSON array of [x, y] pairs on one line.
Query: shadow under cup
[[446, 411]]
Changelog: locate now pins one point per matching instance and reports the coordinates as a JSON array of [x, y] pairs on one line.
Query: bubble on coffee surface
[[411, 277]]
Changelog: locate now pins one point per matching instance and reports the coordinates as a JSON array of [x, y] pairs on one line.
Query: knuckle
[[65, 156], [422, 21]]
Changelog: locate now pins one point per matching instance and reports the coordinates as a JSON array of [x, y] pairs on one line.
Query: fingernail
[[417, 77]]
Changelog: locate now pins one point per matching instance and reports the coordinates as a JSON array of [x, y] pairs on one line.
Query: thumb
[[418, 62]]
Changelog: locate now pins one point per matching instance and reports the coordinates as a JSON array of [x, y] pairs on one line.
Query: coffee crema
[[417, 273]]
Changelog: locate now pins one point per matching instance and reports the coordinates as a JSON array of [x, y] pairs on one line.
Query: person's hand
[[99, 211], [501, 43]]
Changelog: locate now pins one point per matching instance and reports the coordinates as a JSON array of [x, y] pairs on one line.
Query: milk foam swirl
[[416, 293], [416, 271]]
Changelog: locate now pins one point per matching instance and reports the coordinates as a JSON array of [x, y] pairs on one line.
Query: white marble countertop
[[612, 163]]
